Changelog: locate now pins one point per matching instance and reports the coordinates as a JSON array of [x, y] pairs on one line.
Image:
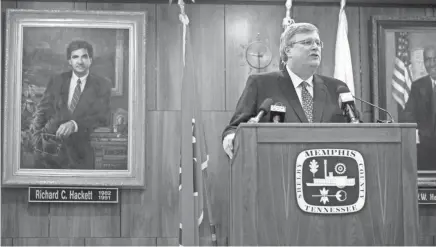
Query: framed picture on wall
[[67, 74], [403, 81]]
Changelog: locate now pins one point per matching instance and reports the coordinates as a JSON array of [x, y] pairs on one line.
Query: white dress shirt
[[433, 83], [296, 80], [73, 84]]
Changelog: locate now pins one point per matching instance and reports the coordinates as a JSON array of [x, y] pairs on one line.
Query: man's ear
[[288, 52]]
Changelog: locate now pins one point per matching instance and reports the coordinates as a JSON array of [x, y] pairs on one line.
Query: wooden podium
[[356, 184]]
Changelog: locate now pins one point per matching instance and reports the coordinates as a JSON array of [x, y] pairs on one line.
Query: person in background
[[421, 109]]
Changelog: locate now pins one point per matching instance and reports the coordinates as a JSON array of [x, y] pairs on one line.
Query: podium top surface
[[331, 132], [329, 125]]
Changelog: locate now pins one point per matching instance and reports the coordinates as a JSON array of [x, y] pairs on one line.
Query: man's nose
[[315, 47]]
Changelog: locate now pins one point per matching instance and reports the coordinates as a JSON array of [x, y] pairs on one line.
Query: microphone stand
[[378, 120]]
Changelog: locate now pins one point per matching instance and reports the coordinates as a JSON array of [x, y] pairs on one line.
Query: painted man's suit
[[91, 111]]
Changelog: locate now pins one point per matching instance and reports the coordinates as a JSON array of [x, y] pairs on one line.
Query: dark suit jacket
[[92, 111], [421, 109], [278, 86]]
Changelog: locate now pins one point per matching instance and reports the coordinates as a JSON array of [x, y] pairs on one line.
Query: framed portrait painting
[[67, 74], [403, 65]]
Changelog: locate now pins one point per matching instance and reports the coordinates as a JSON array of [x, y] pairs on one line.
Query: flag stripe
[[401, 81]]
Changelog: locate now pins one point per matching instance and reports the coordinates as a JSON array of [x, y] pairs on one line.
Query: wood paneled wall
[[220, 35]]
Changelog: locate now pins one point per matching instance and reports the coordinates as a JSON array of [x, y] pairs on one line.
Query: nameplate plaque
[[427, 196], [73, 194]]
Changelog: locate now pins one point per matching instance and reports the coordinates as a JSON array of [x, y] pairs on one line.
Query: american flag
[[401, 78], [194, 157]]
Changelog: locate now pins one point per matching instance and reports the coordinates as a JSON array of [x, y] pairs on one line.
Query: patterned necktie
[[76, 97], [307, 101]]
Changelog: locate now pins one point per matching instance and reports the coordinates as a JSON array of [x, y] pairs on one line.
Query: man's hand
[[252, 120], [66, 129], [228, 144]]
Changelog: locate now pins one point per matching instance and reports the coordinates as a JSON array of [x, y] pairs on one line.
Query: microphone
[[263, 110], [383, 110], [277, 113], [346, 103]]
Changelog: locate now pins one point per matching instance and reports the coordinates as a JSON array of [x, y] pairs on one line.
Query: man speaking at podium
[[308, 97]]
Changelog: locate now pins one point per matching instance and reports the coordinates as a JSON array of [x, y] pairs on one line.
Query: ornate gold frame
[[135, 23]]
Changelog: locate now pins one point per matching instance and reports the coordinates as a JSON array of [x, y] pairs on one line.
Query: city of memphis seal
[[330, 181]]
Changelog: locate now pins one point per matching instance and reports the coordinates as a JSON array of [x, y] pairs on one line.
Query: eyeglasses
[[310, 42]]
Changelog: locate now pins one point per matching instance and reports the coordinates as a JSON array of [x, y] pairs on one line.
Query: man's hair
[[79, 44], [428, 48], [291, 30]]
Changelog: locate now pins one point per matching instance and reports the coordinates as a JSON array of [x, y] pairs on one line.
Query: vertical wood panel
[[409, 183], [49, 242], [207, 32], [45, 5], [166, 146], [366, 60], [427, 223], [120, 242], [84, 220], [167, 242], [80, 5], [169, 57], [426, 241], [6, 4], [151, 52], [154, 212], [244, 186], [219, 173], [429, 12], [20, 218], [140, 208], [242, 24], [6, 242], [427, 220]]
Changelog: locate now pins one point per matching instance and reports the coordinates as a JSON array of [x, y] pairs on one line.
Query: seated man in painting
[[73, 105]]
